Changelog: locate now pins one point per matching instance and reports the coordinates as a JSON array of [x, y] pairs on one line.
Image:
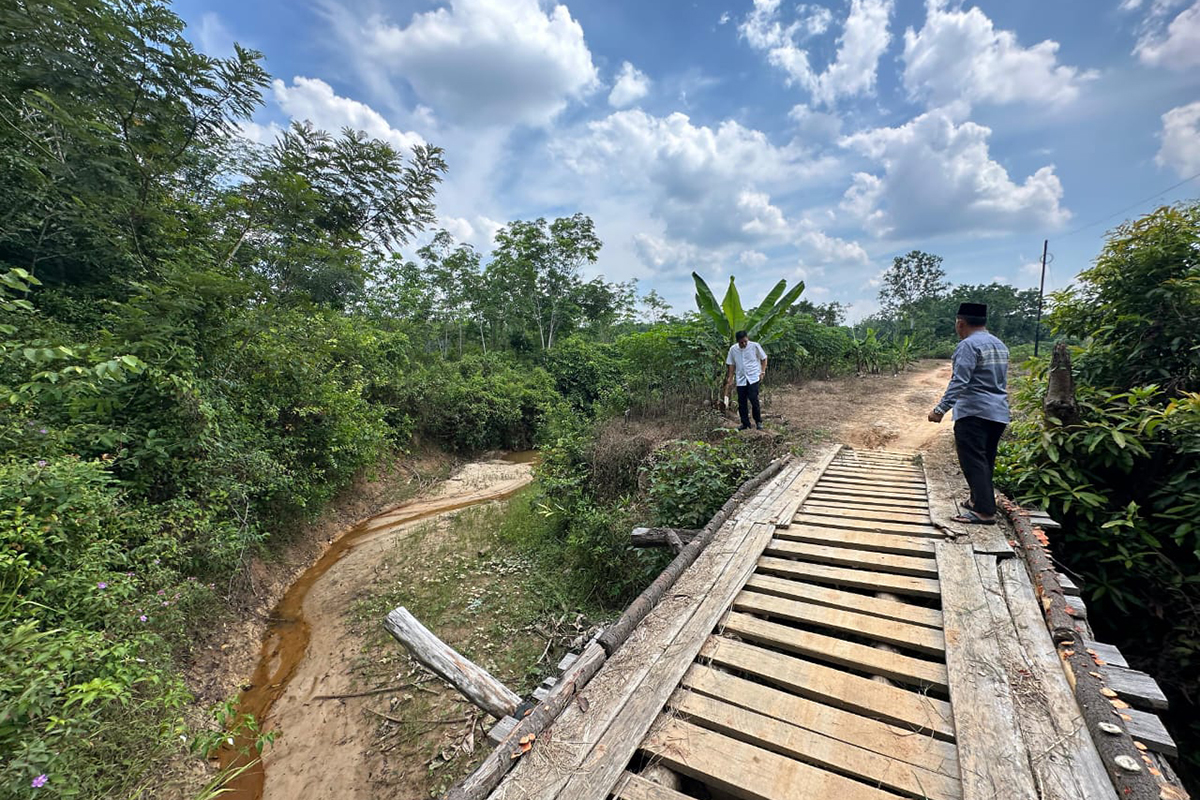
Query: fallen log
[[657, 537], [1127, 767], [477, 684]]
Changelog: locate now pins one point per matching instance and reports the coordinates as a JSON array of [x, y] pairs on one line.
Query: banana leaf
[[707, 303], [763, 330], [732, 306]]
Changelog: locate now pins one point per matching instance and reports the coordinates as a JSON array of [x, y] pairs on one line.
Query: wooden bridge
[[833, 639]]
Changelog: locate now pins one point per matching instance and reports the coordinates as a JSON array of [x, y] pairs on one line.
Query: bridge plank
[[888, 740], [744, 771], [635, 787], [835, 687], [903, 528], [881, 469], [868, 489], [1066, 763], [901, 634], [850, 556], [992, 755], [814, 748], [860, 512], [838, 598], [868, 499], [862, 540], [854, 578], [878, 479], [916, 672]]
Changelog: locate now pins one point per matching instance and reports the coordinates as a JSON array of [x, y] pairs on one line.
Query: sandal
[[969, 517]]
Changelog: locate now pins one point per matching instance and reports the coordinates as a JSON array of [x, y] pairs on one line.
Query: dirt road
[[874, 411]]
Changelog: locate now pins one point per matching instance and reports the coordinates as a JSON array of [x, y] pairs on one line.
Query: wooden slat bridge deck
[[830, 642]]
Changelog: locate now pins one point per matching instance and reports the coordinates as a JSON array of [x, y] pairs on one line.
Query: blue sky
[[762, 138]]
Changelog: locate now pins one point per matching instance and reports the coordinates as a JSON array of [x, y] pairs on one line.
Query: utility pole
[[1037, 331]]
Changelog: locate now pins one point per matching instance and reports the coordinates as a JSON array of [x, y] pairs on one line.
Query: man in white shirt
[[747, 361]]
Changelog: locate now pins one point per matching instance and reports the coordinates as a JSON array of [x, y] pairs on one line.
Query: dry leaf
[[1119, 704], [1108, 692], [582, 702], [1096, 675], [1140, 746]]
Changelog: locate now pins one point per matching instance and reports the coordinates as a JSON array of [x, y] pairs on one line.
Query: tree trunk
[[1059, 406]]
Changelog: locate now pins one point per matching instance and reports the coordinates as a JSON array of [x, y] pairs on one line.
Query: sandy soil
[[322, 750], [871, 412]]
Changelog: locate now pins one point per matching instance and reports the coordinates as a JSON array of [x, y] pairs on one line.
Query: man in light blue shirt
[[978, 393], [747, 361]]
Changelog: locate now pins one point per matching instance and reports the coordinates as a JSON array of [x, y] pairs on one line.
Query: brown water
[[286, 641]]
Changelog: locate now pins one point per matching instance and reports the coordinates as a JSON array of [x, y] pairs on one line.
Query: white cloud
[[827, 249], [815, 125], [488, 62], [724, 19], [864, 39], [752, 258], [1180, 149], [213, 37], [480, 232], [314, 100], [960, 56], [631, 86], [1176, 47], [666, 256], [260, 134], [938, 177]]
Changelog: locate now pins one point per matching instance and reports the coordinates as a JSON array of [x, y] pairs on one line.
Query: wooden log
[[476, 683], [1116, 748], [658, 537]]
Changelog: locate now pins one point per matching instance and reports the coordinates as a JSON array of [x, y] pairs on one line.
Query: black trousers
[[976, 440], [748, 396]]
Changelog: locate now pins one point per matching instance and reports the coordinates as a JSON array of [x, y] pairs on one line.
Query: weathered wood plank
[[902, 528], [819, 647], [1076, 604], [835, 687], [785, 509], [1134, 686], [1108, 653], [744, 771], [476, 683], [877, 478], [867, 489], [1065, 761], [846, 726], [635, 787], [992, 755], [1148, 729], [902, 634], [835, 498], [855, 578], [854, 557], [1068, 586], [861, 540], [814, 748], [860, 512], [853, 601]]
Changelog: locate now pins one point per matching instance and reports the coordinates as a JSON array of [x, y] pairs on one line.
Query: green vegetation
[[1125, 479]]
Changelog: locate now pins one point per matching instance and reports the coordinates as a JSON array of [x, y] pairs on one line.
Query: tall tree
[[914, 278]]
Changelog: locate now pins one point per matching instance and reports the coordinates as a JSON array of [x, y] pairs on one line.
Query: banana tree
[[761, 323]]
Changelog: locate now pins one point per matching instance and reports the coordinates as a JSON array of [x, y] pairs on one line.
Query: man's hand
[[936, 416]]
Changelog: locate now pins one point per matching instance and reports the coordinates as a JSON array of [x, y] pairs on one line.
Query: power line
[[1130, 207]]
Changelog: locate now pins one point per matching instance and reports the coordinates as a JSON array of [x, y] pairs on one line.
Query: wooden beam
[[852, 601], [902, 634], [854, 578], [854, 557], [992, 755], [829, 649], [835, 498], [744, 771], [475, 683], [861, 512], [658, 537], [888, 740], [902, 528], [635, 787], [835, 687], [859, 540], [789, 740]]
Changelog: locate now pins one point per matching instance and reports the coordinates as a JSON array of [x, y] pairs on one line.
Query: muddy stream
[[304, 652]]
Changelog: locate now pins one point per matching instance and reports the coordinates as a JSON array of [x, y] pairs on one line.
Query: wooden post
[[657, 537], [1060, 402], [476, 683]]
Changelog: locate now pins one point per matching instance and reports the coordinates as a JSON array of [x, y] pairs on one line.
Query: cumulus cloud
[[665, 256], [708, 185], [479, 231], [314, 100], [631, 86], [212, 35], [825, 249], [938, 177], [960, 56], [1176, 44], [863, 41], [1180, 149], [487, 62]]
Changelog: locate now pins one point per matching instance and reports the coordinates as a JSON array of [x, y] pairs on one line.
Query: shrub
[[690, 481], [584, 372]]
